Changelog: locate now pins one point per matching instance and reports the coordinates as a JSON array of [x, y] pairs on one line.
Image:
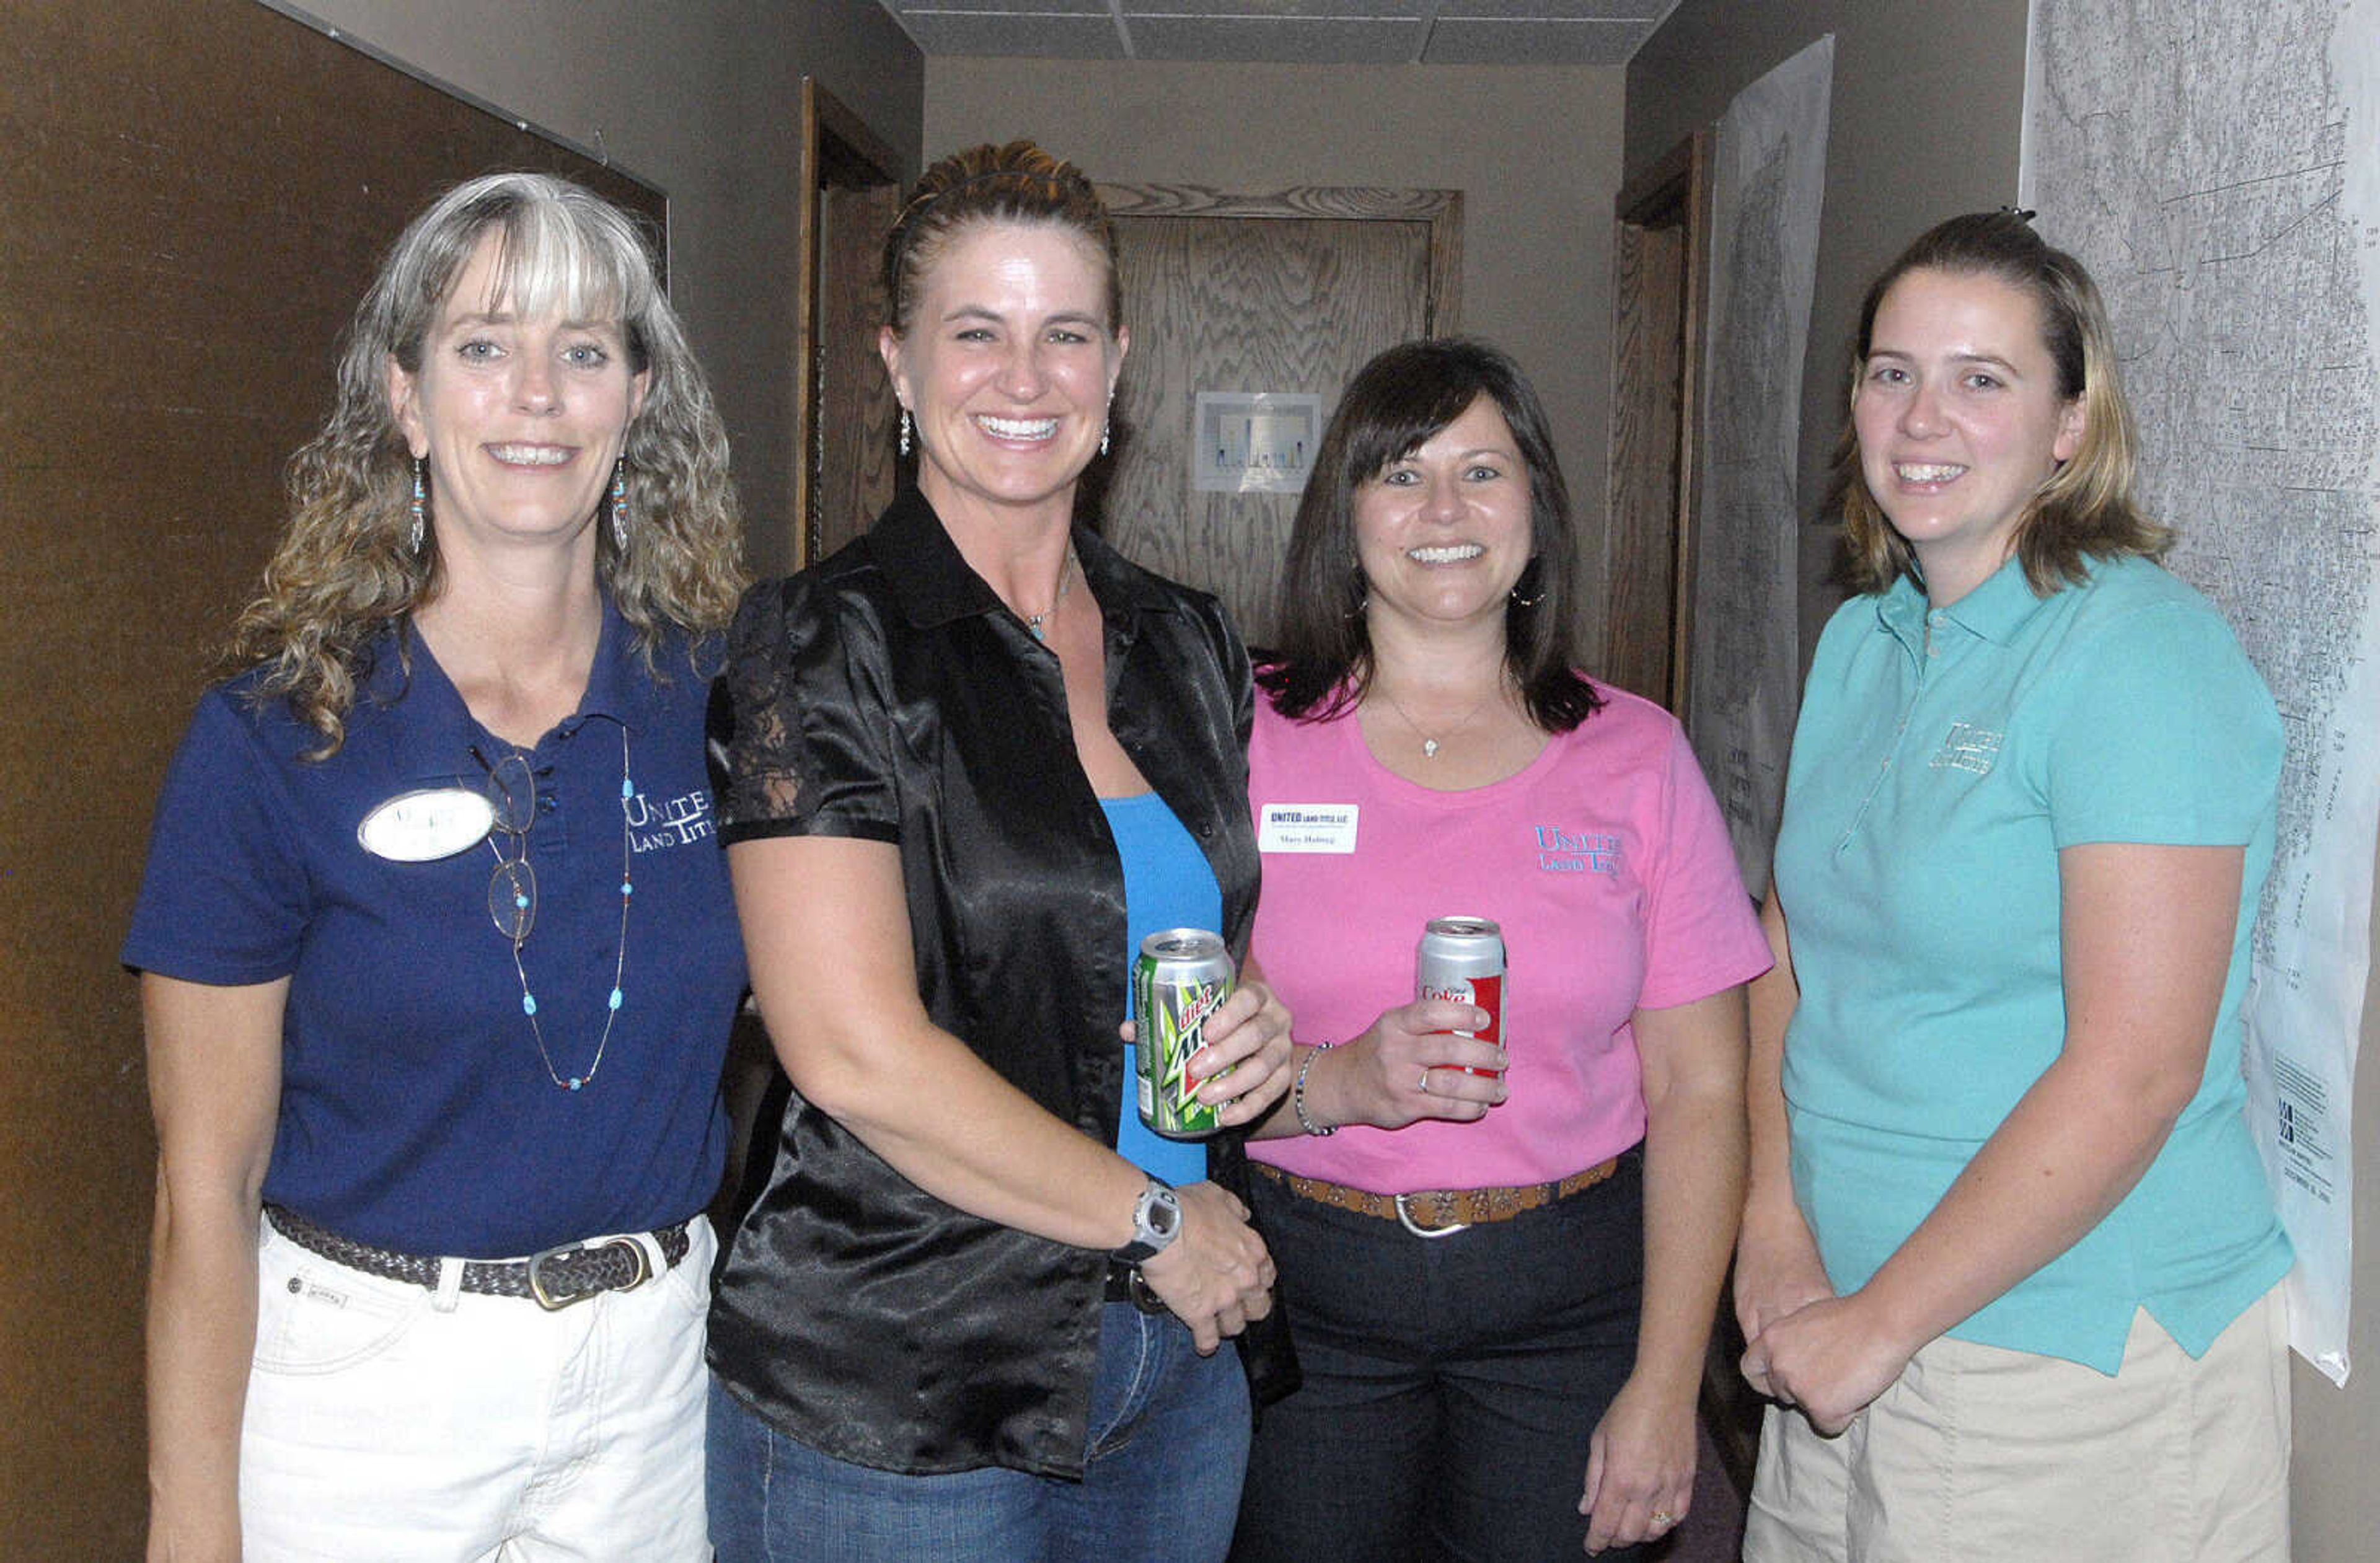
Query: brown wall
[[701, 98], [1892, 170], [1535, 152]]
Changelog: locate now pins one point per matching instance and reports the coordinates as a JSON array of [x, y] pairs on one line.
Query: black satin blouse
[[887, 694]]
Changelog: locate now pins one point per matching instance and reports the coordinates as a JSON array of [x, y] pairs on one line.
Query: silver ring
[[1424, 1086]]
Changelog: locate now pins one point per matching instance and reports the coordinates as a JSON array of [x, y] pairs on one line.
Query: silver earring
[[1103, 439], [620, 503], [420, 492], [904, 432], [1529, 577]]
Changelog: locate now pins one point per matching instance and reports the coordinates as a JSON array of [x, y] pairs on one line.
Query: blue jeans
[[1451, 1383], [1169, 1439]]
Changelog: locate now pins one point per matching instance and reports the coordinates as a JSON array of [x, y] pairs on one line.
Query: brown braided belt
[[1437, 1212], [554, 1279]]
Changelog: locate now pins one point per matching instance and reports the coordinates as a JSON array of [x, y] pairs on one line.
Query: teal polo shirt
[[1942, 759]]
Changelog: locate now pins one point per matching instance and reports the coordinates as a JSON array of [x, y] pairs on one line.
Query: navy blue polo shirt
[[416, 1112]]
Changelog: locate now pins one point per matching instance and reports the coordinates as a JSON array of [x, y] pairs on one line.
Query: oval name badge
[[433, 822]]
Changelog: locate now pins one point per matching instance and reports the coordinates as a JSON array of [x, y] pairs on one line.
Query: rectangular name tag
[[1306, 828]]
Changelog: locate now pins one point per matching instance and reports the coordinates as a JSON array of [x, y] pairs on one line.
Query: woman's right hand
[[1778, 1272], [1409, 1065], [1217, 1276]]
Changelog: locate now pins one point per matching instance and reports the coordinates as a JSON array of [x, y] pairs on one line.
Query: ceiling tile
[[1647, 12], [1390, 40], [1026, 9], [1460, 41], [1274, 11], [1036, 36]]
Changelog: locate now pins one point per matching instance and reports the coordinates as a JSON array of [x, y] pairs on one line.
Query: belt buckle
[[554, 1304], [1404, 1215], [1144, 1300]]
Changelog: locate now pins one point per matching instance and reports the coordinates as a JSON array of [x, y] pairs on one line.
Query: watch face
[[1164, 1215]]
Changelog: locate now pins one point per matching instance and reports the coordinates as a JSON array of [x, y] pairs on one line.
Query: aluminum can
[[1463, 959], [1181, 977]]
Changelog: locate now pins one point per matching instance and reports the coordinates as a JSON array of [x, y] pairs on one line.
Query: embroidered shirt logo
[[669, 822], [1576, 852], [1969, 748]]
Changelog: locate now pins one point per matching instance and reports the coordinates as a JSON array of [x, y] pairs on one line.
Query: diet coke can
[[1463, 959]]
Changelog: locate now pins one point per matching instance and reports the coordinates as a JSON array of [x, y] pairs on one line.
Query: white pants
[[388, 1422], [1982, 1455]]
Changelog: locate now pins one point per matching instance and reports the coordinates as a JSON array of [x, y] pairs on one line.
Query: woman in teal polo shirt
[[2008, 1265]]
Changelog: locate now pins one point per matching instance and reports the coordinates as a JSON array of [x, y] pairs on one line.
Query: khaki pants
[[1981, 1453]]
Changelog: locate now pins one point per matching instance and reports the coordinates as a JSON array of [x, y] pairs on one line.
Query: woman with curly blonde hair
[[438, 955]]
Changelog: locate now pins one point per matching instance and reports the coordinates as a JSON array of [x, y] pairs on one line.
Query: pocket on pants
[[313, 1316]]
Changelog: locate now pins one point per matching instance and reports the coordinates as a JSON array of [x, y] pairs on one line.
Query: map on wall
[[1768, 176], [2216, 165]]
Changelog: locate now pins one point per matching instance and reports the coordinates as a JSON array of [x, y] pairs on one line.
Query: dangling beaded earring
[[620, 503], [904, 432], [1103, 439], [420, 492]]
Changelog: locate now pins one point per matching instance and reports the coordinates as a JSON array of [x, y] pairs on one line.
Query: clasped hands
[[1828, 1356]]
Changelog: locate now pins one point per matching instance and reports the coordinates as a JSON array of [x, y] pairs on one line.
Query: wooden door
[[1283, 293], [843, 430], [1658, 259]]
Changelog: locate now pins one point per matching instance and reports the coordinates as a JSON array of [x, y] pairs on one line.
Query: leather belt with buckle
[[553, 1279], [1433, 1213], [1126, 1284]]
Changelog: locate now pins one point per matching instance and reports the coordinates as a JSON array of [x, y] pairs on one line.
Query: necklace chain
[[1430, 745], [1065, 585], [620, 963]]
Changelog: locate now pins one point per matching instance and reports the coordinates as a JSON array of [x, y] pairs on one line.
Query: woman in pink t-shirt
[[1498, 1284]]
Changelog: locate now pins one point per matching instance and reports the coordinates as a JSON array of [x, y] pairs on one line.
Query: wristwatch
[[1155, 1221]]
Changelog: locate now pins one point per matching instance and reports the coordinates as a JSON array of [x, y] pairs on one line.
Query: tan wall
[[1535, 152], [701, 97], [1890, 172]]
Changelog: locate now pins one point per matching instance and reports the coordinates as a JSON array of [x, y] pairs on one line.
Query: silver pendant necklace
[[1065, 585], [1430, 745]]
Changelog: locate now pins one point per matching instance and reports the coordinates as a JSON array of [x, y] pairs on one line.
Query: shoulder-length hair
[[346, 568], [1323, 664], [2086, 509]]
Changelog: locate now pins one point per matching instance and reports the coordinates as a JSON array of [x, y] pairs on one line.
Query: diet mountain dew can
[[1182, 977]]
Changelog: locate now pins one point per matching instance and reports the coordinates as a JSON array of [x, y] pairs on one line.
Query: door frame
[[837, 148], [1671, 196]]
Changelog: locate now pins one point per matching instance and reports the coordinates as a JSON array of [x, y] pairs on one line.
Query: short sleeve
[[2160, 731], [1701, 935], [799, 727], [223, 898]]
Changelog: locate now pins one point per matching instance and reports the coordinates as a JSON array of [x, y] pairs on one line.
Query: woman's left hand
[[1640, 1467], [1249, 1036], [1828, 1358]]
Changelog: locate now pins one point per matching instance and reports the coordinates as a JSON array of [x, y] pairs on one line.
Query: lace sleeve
[[792, 752]]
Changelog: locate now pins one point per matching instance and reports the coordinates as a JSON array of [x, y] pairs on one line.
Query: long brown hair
[[1395, 404]]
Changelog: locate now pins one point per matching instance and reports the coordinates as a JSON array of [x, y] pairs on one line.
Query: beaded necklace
[[512, 902]]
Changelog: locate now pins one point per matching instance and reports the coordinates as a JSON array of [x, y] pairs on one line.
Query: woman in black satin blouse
[[972, 757]]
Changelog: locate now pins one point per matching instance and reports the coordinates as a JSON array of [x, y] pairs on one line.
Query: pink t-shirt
[[1604, 860]]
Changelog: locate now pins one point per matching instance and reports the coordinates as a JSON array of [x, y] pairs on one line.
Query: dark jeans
[[1451, 1383], [1169, 1436]]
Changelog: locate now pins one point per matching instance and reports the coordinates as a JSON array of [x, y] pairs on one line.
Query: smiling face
[[1007, 367], [1442, 532], [1959, 420], [520, 419]]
